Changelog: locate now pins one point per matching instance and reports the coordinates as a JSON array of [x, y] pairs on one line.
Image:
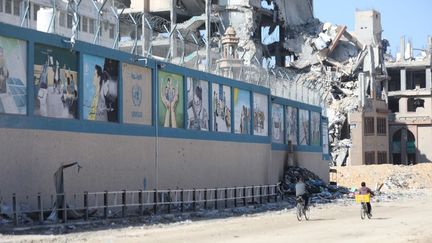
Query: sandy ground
[[404, 220]]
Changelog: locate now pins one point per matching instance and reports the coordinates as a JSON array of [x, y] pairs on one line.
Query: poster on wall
[[56, 82], [197, 104], [242, 111], [304, 127], [291, 125], [13, 80], [277, 123], [260, 106], [137, 94], [100, 88], [221, 108], [325, 138], [170, 100], [315, 128]]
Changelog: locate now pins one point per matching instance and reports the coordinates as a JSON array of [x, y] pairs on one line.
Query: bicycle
[[282, 189], [301, 210], [363, 199]]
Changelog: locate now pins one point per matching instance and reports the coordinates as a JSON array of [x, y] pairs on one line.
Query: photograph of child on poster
[[197, 104], [100, 92], [56, 82]]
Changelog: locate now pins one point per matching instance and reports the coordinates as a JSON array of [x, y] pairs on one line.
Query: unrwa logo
[[136, 95]]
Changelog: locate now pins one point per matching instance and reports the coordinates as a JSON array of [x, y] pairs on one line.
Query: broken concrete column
[[403, 79], [428, 78], [401, 49], [362, 90]]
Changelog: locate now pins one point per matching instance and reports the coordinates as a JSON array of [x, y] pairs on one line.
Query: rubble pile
[[332, 60], [321, 192], [386, 177]]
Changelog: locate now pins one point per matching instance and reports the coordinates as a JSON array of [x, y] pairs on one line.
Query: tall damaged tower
[[368, 125]]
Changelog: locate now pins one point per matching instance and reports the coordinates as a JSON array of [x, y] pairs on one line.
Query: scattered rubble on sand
[[386, 177]]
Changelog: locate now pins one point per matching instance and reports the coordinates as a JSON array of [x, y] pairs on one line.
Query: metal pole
[[205, 198], [216, 198], [169, 200], [14, 209], [253, 194], [226, 197], [244, 195], [235, 197], [194, 199], [106, 204], [261, 194], [140, 200], [123, 203], [86, 209], [40, 207], [64, 208], [173, 19], [155, 200], [208, 34], [146, 8], [182, 200]]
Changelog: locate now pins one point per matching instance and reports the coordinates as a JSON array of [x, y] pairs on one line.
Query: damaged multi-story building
[[410, 104]]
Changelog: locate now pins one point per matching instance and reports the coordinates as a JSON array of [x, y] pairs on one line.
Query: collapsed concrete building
[[410, 102]]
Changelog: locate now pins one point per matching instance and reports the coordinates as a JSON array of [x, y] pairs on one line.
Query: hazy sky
[[412, 19]]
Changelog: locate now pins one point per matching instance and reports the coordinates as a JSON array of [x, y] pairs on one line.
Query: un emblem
[[136, 95]]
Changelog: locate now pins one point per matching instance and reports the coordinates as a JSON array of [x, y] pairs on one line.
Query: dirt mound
[[389, 177]]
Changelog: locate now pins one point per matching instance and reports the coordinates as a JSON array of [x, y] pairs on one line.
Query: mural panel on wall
[[242, 111], [13, 79], [221, 108], [56, 82], [304, 127], [197, 104], [291, 125], [100, 88], [137, 94], [260, 114], [170, 100], [315, 128], [277, 123]]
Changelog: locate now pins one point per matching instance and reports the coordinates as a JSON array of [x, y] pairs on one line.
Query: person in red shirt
[[364, 190]]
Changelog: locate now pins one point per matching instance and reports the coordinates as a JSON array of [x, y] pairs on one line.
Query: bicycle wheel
[[306, 213], [363, 211], [368, 214], [299, 211]]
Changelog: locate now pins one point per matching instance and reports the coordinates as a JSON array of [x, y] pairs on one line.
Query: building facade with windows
[[410, 104], [58, 17]]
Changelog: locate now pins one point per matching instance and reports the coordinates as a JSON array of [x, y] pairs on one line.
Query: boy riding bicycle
[[364, 190], [301, 191]]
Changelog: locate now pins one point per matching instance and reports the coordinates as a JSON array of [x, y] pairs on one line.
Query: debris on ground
[[319, 190], [388, 177]]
